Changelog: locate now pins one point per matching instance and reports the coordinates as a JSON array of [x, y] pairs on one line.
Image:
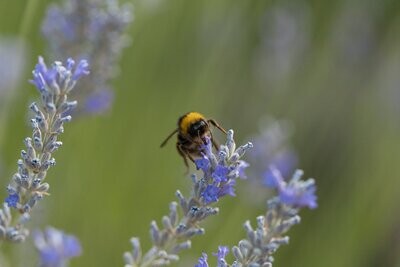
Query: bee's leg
[[190, 157], [215, 144], [183, 155], [213, 122]]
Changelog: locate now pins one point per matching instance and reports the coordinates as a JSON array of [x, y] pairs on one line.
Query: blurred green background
[[332, 68]]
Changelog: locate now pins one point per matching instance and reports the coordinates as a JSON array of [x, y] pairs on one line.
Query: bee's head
[[192, 123], [198, 128]]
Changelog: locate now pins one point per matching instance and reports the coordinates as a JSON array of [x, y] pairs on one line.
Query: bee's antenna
[[169, 136], [213, 122]]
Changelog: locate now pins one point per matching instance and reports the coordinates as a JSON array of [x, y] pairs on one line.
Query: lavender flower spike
[[282, 214], [95, 30], [257, 249], [27, 186], [219, 174], [56, 248]]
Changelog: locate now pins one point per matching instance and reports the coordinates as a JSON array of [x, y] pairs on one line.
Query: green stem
[[27, 17], [26, 22]]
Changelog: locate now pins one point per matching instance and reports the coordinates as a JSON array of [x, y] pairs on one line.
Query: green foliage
[[201, 55]]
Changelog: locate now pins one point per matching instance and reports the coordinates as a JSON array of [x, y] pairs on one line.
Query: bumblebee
[[193, 130]]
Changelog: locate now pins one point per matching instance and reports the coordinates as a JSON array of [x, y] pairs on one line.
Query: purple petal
[[210, 194], [299, 197], [70, 64], [207, 146], [55, 247], [81, 70], [99, 102], [273, 178], [228, 189], [50, 257], [241, 167], [222, 252], [12, 200], [202, 261], [220, 174], [72, 247], [203, 164]]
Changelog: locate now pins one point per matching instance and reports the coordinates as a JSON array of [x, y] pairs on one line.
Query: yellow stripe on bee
[[188, 120]]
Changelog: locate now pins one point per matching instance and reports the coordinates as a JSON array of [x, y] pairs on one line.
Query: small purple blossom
[[99, 102], [48, 80], [241, 168], [295, 192], [12, 200], [211, 194], [221, 254], [202, 163], [215, 191], [228, 188], [70, 64], [220, 174], [94, 30], [300, 196], [42, 76], [207, 148], [202, 261], [81, 70], [55, 247], [273, 178]]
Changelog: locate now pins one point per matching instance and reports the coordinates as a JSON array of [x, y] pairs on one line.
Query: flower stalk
[[219, 174], [28, 184]]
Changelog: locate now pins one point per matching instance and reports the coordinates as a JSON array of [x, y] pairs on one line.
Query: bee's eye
[[199, 125], [197, 128]]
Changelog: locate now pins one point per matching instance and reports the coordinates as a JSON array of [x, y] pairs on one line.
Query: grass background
[[340, 89]]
